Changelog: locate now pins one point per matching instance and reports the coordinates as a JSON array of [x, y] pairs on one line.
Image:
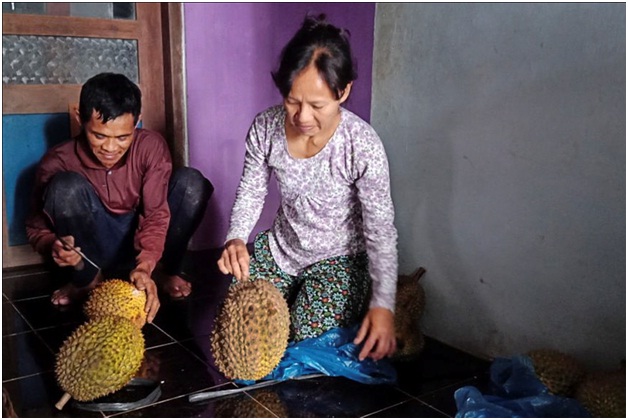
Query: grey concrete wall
[[505, 130]]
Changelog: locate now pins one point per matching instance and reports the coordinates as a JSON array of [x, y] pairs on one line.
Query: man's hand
[[235, 260], [142, 281], [63, 256], [378, 328]]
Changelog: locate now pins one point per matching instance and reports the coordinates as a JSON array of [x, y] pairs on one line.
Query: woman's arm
[[249, 201], [373, 183]]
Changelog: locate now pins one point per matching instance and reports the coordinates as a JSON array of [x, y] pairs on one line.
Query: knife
[[68, 246]]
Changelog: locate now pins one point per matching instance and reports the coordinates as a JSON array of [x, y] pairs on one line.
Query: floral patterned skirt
[[330, 293]]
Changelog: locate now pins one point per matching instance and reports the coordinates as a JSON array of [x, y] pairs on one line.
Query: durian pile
[[102, 355], [603, 394], [251, 331], [559, 372]]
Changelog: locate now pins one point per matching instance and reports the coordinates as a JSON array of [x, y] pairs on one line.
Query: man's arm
[[154, 218], [38, 226]]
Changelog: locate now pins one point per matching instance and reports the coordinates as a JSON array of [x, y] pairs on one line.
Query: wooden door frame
[[174, 77], [163, 110]]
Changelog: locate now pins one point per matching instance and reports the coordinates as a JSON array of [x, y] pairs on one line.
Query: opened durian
[[603, 394], [251, 331], [99, 358], [559, 372], [119, 298]]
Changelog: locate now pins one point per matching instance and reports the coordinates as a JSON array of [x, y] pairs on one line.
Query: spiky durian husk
[[603, 394], [251, 332], [100, 357], [117, 297], [409, 307], [559, 372]]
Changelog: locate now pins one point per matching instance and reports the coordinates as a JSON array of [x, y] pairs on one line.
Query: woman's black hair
[[110, 95], [322, 44]]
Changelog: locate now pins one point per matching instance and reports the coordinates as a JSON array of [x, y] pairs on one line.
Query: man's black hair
[[110, 95]]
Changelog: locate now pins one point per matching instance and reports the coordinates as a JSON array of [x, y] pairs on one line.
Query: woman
[[332, 247]]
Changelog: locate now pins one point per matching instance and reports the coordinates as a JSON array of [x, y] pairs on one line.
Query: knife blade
[[67, 245]]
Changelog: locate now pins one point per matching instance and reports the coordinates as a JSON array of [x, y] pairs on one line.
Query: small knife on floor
[[68, 246]]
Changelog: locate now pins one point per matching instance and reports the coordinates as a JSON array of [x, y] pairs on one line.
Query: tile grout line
[[386, 408], [175, 341], [28, 298], [433, 408], [192, 353], [418, 398], [25, 376], [457, 382], [260, 403], [164, 332], [17, 276], [34, 331]]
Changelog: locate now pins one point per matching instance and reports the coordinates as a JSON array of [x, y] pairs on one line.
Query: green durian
[[99, 358]]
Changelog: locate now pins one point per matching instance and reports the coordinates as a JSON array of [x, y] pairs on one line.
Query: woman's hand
[[65, 257], [378, 328], [142, 281], [235, 260]]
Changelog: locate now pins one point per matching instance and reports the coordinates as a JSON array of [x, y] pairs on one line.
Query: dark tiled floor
[[178, 356]]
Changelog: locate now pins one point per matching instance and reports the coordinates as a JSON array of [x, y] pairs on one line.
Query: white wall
[[505, 130]]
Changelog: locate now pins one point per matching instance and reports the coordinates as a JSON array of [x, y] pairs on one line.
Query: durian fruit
[[251, 331], [603, 394], [117, 297], [99, 358], [558, 371], [409, 307]]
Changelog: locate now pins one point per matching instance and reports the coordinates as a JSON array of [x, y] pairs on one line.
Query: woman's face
[[311, 105]]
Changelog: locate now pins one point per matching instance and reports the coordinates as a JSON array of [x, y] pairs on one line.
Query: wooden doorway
[[154, 36]]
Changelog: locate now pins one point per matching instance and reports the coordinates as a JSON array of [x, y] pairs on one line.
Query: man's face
[[109, 141]]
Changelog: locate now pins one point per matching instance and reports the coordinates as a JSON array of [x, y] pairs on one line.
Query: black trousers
[[107, 239]]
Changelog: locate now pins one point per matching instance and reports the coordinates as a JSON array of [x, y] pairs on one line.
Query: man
[[111, 193]]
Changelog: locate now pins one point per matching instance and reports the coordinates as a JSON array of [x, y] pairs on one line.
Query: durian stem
[[64, 399]]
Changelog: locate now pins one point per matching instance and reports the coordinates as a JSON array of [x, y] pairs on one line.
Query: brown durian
[[559, 372], [119, 298], [251, 331], [409, 307], [603, 394], [99, 358]]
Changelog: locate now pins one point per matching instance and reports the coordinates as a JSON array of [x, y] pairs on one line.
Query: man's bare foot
[[175, 286], [70, 293]]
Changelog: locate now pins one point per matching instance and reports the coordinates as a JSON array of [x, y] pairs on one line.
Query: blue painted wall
[[25, 139]]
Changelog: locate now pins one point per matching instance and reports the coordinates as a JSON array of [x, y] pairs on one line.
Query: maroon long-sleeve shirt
[[138, 181]]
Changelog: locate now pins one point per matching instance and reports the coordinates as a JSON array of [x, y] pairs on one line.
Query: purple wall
[[231, 48]]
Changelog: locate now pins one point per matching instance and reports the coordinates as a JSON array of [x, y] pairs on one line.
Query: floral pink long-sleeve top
[[334, 203]]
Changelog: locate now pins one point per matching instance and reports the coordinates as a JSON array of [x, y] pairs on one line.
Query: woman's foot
[[69, 293]]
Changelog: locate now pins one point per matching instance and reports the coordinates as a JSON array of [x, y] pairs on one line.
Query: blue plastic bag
[[518, 393], [333, 354], [515, 377], [471, 403]]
